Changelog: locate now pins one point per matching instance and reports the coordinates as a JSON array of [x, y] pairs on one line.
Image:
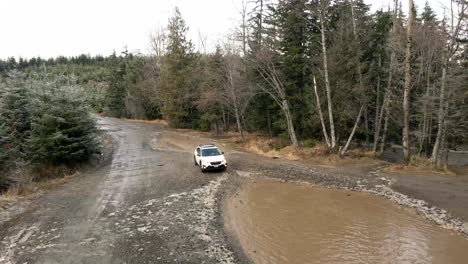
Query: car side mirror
[[222, 152], [198, 155]]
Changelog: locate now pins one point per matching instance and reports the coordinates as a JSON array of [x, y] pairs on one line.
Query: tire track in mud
[[170, 216]]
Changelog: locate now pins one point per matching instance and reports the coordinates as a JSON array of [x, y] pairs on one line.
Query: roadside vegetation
[[324, 75], [46, 129]]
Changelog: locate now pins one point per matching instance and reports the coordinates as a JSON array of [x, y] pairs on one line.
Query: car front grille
[[216, 163]]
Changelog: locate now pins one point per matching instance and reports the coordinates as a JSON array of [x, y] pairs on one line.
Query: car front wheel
[[195, 161], [201, 167]]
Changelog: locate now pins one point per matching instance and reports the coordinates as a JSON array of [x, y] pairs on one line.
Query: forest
[[311, 71]]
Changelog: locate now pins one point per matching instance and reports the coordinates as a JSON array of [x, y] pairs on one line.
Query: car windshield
[[210, 152]]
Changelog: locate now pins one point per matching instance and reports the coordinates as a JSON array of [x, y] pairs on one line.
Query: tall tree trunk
[[224, 119], [430, 121], [407, 92], [385, 105], [446, 131], [238, 118], [239, 124], [379, 125], [270, 132], [359, 68], [440, 117], [319, 109], [378, 115], [291, 131], [446, 147], [387, 117], [456, 27], [361, 83], [327, 81], [244, 124], [356, 124], [366, 122], [424, 129], [228, 120]]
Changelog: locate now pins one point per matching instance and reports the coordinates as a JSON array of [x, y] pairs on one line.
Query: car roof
[[207, 146]]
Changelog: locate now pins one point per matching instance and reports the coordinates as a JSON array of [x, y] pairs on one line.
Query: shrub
[[206, 120], [309, 143], [14, 116], [3, 145], [63, 130]]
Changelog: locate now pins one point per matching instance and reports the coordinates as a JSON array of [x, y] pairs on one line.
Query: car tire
[[195, 161], [201, 168]]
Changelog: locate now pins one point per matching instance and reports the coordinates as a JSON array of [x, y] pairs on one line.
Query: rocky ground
[[152, 205]]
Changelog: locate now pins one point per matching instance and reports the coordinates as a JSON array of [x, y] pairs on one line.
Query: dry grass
[[16, 193], [280, 148], [6, 201], [419, 167], [31, 190], [156, 121], [362, 153], [31, 183]]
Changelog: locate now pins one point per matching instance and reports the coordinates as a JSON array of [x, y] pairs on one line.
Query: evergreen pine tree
[[15, 116], [63, 130], [3, 144], [115, 102], [428, 15], [295, 28], [177, 91]]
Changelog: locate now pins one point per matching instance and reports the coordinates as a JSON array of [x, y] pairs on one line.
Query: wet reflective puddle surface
[[289, 223]]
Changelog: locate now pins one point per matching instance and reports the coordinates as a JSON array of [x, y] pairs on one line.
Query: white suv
[[209, 157]]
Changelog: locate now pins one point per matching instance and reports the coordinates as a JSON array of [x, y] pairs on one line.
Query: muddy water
[[287, 223]]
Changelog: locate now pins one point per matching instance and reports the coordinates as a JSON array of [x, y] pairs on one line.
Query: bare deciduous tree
[[264, 63], [158, 42], [407, 92], [361, 84], [236, 92], [452, 47], [319, 110], [323, 7]]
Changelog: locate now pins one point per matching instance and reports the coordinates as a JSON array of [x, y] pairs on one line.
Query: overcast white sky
[[50, 28]]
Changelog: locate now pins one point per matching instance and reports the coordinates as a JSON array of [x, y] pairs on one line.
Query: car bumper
[[215, 167]]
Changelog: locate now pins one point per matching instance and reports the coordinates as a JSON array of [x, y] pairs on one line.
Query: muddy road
[[150, 204]]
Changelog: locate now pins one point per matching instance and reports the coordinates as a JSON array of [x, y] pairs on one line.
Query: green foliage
[[15, 115], [3, 144], [309, 143], [178, 90], [63, 131], [206, 120], [294, 46], [131, 92], [115, 103], [44, 123], [186, 88]]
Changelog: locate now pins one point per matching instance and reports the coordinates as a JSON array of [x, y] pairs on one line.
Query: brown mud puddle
[[288, 223]]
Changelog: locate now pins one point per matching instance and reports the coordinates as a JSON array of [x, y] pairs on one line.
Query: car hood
[[213, 158]]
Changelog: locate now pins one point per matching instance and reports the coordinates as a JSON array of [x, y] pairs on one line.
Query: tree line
[[21, 64], [307, 70], [324, 70]]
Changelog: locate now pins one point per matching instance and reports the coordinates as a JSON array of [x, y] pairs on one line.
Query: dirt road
[[147, 206], [152, 205]]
